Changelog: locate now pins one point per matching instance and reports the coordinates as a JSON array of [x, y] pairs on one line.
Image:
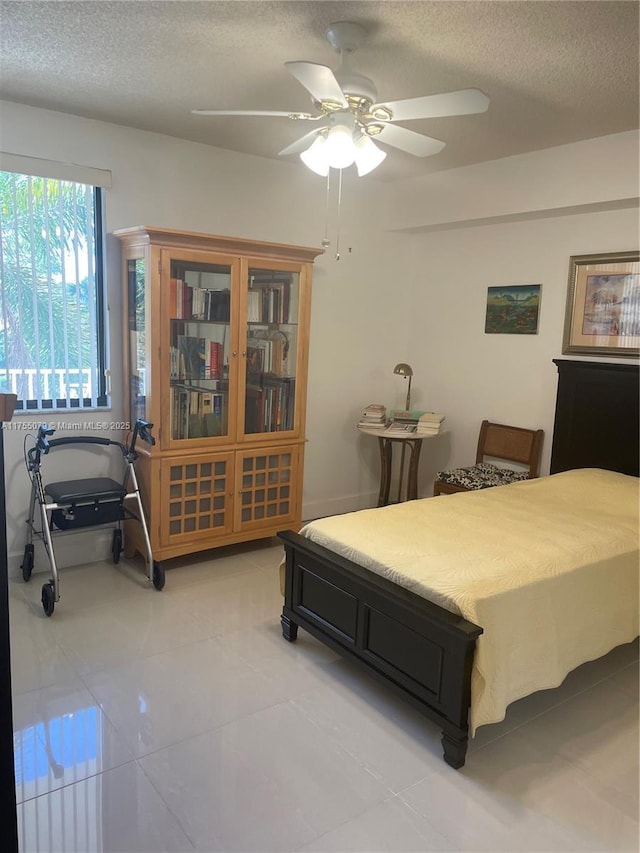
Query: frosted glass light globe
[[339, 147], [315, 157]]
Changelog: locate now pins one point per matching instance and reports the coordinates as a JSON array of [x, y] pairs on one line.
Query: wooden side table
[[409, 441]]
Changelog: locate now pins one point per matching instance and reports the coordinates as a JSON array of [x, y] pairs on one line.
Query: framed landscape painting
[[513, 309], [603, 305]]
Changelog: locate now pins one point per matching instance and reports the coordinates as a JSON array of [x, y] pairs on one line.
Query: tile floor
[[181, 720]]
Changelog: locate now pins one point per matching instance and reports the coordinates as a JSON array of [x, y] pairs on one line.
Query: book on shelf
[[272, 300], [213, 370], [253, 306], [270, 406], [188, 300], [218, 305], [196, 412]]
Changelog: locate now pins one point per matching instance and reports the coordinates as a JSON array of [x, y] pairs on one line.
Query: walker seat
[[98, 500]]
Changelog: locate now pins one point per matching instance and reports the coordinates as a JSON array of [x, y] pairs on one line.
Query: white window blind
[[51, 310], [24, 165]]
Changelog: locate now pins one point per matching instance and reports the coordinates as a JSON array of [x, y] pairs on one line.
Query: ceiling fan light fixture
[[339, 146], [368, 155], [315, 157]]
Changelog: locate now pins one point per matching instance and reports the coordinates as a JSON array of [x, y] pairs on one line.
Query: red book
[[215, 360]]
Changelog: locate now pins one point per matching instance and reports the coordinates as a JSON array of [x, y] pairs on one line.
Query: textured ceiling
[[556, 72]]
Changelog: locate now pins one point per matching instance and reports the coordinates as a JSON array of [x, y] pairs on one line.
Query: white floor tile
[[36, 658], [111, 635], [179, 693], [181, 720], [396, 743], [388, 826], [84, 587], [115, 810], [61, 736], [218, 563], [271, 781]]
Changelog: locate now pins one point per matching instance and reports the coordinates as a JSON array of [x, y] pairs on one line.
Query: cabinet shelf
[[199, 320], [216, 340]]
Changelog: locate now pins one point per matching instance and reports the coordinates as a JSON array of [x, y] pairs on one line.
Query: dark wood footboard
[[419, 649]]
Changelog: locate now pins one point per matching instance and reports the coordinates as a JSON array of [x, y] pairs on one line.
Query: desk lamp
[[405, 370]]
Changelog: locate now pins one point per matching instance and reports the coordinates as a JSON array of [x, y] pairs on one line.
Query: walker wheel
[[116, 545], [48, 598], [158, 575], [27, 563]]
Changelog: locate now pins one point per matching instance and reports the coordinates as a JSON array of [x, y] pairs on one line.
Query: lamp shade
[[315, 157], [339, 146], [368, 155], [403, 369]]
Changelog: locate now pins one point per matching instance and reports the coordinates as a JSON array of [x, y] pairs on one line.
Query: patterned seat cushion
[[481, 476]]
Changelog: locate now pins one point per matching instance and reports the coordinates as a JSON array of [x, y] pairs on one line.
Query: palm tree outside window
[[52, 318]]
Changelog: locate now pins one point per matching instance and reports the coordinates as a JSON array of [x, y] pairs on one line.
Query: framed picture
[[512, 309], [603, 305]]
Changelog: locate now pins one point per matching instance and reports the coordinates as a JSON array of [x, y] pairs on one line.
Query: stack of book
[[401, 417], [429, 423], [373, 417], [398, 427]]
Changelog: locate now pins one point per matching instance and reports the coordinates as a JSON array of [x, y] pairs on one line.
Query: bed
[[451, 601]]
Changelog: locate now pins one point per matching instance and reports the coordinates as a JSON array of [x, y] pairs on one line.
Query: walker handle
[[143, 430]]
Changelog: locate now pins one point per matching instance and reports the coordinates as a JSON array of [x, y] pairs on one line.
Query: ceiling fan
[[346, 104]]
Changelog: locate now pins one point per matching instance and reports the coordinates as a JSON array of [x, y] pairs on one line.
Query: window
[[52, 318]]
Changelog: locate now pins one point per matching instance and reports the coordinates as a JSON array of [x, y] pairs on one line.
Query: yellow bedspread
[[547, 567]]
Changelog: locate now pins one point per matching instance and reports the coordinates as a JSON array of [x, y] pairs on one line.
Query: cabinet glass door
[[199, 343], [271, 350], [138, 340]]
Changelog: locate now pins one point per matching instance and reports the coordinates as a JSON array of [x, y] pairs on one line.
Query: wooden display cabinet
[[216, 334]]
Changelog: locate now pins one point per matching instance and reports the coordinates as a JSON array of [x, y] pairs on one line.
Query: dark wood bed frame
[[417, 648]]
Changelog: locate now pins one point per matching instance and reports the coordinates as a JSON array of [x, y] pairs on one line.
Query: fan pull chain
[[326, 242], [338, 219]]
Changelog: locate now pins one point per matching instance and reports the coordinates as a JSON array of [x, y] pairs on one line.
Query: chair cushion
[[481, 476]]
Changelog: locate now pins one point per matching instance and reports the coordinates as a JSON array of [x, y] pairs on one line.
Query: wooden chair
[[497, 441]]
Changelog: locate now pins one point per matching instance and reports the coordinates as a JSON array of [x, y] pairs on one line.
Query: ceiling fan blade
[[317, 79], [463, 102], [302, 143], [252, 113], [409, 141]]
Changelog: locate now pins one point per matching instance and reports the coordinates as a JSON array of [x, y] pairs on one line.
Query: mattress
[[547, 567]]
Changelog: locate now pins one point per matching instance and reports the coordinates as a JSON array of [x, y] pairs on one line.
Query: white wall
[[505, 378], [162, 181], [405, 292], [593, 174], [514, 221]]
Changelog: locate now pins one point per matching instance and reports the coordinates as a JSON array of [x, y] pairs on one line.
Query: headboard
[[596, 423]]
